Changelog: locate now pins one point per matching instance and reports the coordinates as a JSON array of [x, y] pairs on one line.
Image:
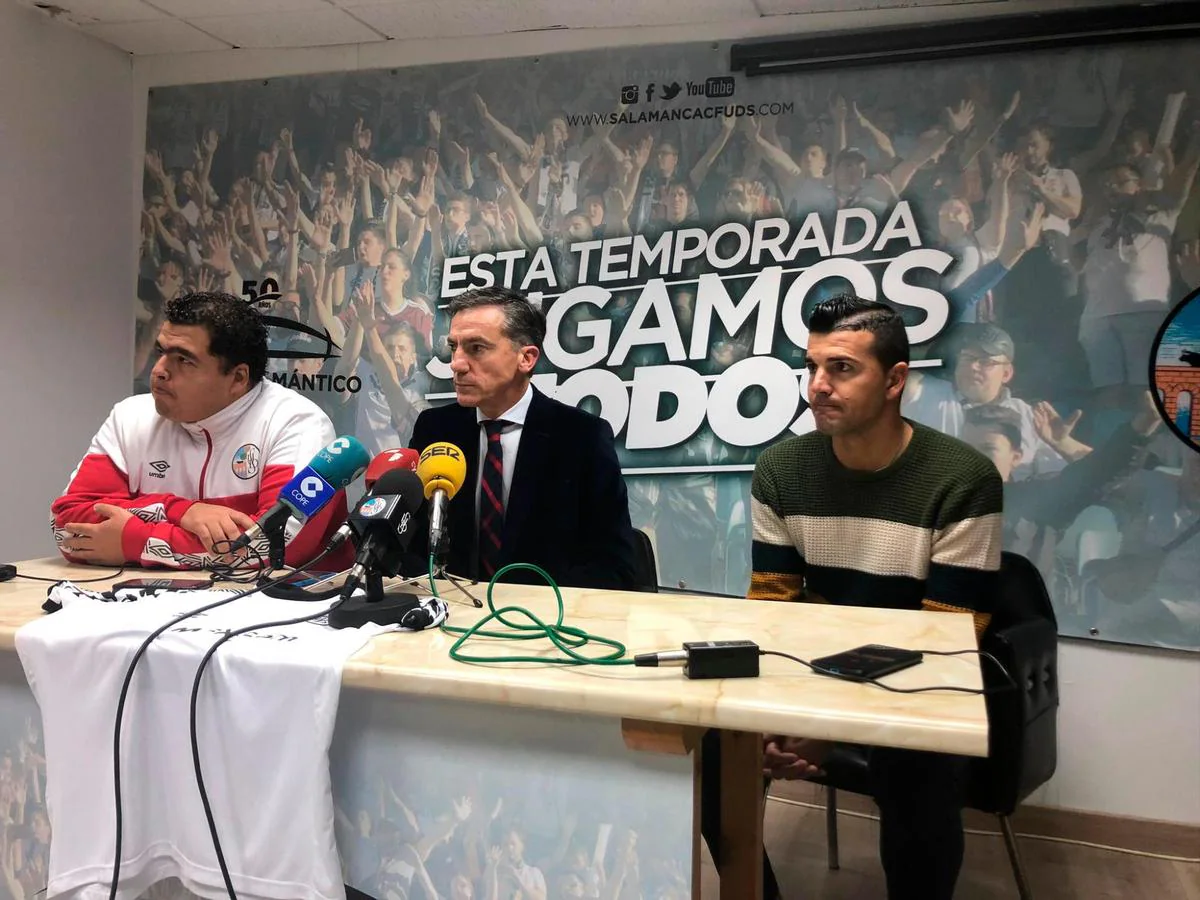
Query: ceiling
[[147, 27]]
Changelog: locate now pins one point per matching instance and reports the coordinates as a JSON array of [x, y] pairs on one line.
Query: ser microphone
[[442, 471], [310, 489]]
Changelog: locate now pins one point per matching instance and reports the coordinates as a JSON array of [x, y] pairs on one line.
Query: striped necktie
[[491, 499]]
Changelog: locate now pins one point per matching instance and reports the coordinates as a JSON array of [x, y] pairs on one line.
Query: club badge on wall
[[1175, 370]]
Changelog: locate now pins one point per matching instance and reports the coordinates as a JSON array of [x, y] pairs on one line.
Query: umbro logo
[[159, 468]]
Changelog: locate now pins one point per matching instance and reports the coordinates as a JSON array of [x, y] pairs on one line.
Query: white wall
[[67, 257], [1129, 733], [1130, 722]]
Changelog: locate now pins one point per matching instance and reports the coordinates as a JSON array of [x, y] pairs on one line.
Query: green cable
[[566, 638]]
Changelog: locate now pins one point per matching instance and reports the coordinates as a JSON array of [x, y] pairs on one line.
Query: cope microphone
[[311, 488], [442, 471]]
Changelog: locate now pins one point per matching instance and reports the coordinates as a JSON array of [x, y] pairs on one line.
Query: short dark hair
[[401, 254], [1119, 165], [236, 333], [846, 312], [376, 227], [524, 324], [1042, 127], [997, 418], [405, 328]]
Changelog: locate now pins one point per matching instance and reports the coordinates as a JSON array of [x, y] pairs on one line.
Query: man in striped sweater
[[874, 510]]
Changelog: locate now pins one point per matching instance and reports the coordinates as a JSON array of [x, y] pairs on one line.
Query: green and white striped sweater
[[923, 533]]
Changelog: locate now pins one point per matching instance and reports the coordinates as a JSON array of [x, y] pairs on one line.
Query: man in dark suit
[[543, 483]]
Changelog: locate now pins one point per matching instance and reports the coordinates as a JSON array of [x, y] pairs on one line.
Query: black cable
[[983, 654], [154, 635], [116, 574], [242, 573], [208, 815]]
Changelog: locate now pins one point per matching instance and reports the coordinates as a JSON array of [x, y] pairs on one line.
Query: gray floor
[[795, 838]]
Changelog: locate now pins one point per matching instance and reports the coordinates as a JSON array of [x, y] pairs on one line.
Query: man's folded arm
[[98, 480], [101, 477]]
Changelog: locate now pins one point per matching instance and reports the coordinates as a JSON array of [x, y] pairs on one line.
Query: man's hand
[[210, 523], [458, 154], [1050, 426], [1146, 420], [345, 209], [1013, 103], [480, 106], [961, 116], [791, 758], [154, 164], [1005, 167], [364, 304], [168, 284], [1056, 431], [322, 235], [429, 165], [837, 109], [99, 544], [362, 136], [1188, 260]]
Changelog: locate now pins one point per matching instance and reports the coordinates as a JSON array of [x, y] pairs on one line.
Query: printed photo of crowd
[[490, 838], [426, 827], [1063, 185], [549, 807], [25, 834]]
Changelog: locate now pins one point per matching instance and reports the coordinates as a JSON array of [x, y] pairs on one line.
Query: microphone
[[442, 471], [399, 458], [387, 461], [383, 525], [311, 488]]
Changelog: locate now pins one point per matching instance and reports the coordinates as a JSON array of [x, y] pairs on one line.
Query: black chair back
[[1022, 724], [645, 568]]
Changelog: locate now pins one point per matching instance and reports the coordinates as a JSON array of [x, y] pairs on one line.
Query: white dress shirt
[[510, 442]]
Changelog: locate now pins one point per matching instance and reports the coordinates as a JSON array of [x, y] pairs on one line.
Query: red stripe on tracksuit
[[286, 429]]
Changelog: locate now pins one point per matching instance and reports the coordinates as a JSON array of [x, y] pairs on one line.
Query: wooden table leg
[[742, 798], [677, 740]]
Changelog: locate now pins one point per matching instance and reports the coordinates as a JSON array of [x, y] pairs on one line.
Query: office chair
[[645, 566], [1022, 724]]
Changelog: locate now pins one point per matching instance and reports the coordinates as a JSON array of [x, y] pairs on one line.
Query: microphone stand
[[276, 548], [377, 606], [455, 581]]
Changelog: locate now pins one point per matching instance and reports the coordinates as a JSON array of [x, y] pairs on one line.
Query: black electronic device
[[708, 659], [866, 663], [163, 584]]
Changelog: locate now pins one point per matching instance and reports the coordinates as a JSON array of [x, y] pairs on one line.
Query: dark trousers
[[920, 797]]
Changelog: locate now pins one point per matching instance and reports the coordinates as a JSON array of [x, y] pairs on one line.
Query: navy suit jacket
[[568, 509]]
